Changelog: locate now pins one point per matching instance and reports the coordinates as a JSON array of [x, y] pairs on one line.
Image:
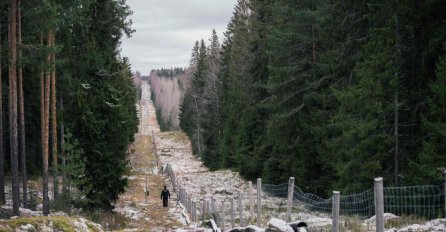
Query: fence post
[[185, 197], [206, 203], [212, 205], [259, 207], [289, 204], [203, 209], [251, 201], [182, 196], [232, 213], [335, 210], [188, 205], [222, 215], [194, 210], [379, 204], [146, 189], [240, 208], [191, 210]]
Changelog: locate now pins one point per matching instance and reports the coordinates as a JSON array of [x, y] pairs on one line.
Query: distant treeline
[[172, 72], [333, 93], [168, 87]]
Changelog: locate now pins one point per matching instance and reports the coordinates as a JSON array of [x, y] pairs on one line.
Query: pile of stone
[[275, 225]]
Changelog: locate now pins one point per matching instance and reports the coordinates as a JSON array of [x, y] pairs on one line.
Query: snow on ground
[[174, 148]]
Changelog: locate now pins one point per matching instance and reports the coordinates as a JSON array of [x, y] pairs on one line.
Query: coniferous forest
[[333, 93], [68, 99]]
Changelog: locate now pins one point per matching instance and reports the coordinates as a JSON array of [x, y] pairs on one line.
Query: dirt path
[[150, 216]]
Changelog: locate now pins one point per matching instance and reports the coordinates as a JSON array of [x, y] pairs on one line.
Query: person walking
[[165, 196]]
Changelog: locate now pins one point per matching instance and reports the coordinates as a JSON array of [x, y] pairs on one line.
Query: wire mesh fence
[[409, 204]]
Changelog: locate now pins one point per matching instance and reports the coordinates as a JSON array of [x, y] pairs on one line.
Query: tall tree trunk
[[22, 112], [396, 107], [13, 109], [46, 110], [313, 6], [2, 155], [54, 122], [198, 125], [42, 120], [62, 141]]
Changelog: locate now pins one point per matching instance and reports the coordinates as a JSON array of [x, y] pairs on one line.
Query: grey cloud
[[167, 29]]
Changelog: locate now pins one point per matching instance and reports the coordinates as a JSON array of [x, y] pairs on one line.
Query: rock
[[387, 216], [437, 225], [237, 229], [222, 191], [26, 228], [299, 226], [253, 229], [319, 222], [278, 225], [250, 228]]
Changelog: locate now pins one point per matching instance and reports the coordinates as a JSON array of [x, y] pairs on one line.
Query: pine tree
[[22, 111], [367, 106], [13, 108], [237, 81], [256, 146], [2, 154], [432, 156], [210, 116], [54, 122], [46, 122]]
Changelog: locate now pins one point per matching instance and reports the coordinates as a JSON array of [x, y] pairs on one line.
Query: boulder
[[278, 225], [254, 229], [247, 229], [299, 226]]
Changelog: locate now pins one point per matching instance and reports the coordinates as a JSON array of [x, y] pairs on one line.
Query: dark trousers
[[165, 202]]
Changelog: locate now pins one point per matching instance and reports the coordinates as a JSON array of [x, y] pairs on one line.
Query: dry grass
[[59, 223], [177, 136], [156, 215]]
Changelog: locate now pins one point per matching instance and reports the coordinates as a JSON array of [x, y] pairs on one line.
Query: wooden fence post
[[222, 210], [189, 210], [289, 204], [259, 206], [232, 213], [251, 201], [379, 204], [146, 189], [194, 210], [207, 207], [335, 210], [212, 205], [203, 209], [240, 208]]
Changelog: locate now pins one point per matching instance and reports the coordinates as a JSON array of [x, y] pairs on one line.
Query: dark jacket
[[165, 194]]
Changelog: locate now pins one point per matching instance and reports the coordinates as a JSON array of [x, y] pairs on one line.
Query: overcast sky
[[166, 30]]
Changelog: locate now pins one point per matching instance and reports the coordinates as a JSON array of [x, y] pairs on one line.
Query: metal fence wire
[[422, 202], [426, 201]]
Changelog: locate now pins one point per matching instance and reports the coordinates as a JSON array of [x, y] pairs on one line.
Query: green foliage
[[333, 93], [434, 146], [101, 112]]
